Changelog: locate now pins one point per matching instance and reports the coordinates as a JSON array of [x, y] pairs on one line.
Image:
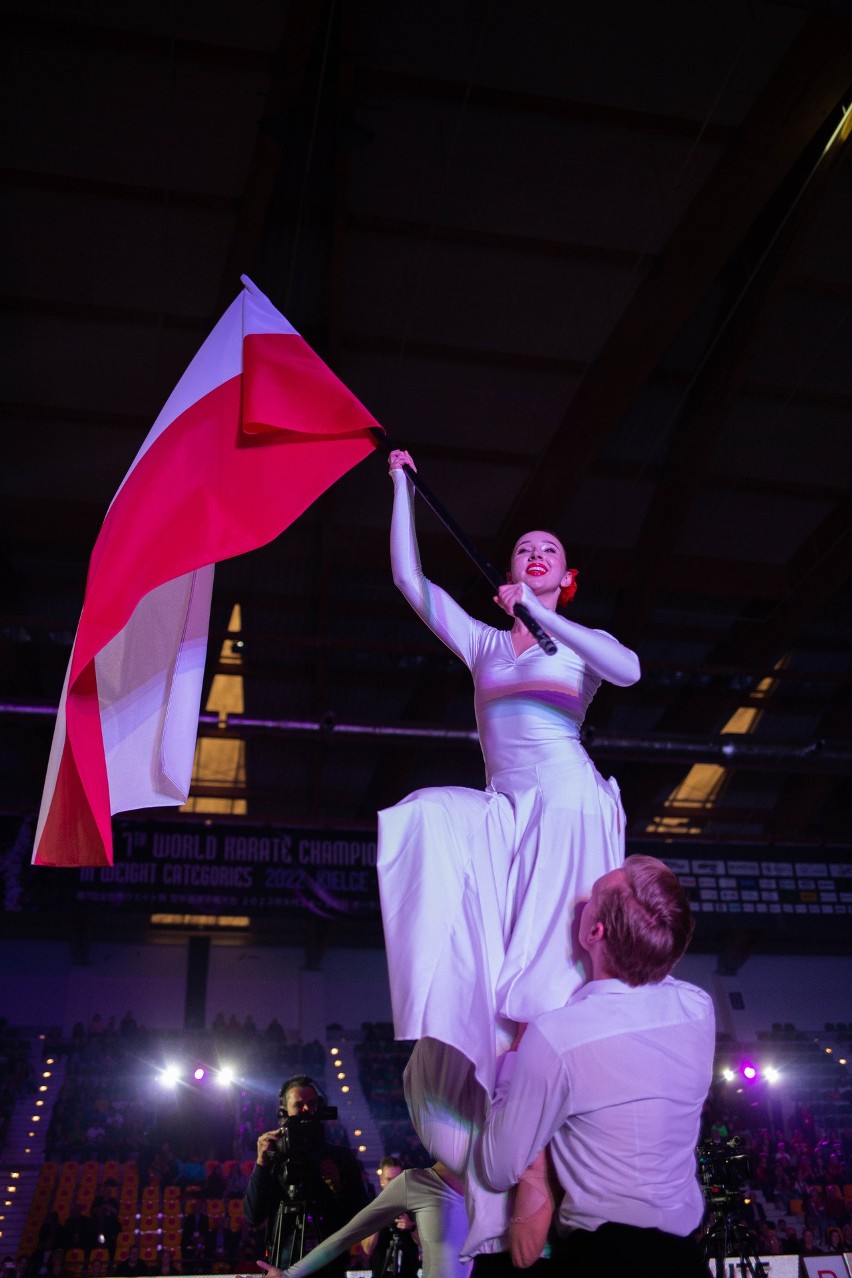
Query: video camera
[[302, 1134], [722, 1171]]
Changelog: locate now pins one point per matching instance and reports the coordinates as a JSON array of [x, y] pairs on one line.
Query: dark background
[[590, 263]]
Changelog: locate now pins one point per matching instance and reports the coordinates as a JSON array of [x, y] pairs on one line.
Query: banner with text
[[181, 867], [202, 866]]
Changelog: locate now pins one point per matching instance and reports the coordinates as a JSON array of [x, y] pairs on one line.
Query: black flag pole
[[489, 572]]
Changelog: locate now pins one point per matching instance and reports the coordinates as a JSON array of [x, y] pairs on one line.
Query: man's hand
[[266, 1146]]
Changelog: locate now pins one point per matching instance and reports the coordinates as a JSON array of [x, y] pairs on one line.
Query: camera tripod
[[392, 1263], [725, 1233], [296, 1231]]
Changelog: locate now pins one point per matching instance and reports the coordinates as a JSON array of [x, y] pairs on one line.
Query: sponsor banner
[[751, 890], [773, 1266]]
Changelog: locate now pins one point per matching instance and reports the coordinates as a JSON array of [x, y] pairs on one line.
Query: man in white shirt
[[614, 1084]]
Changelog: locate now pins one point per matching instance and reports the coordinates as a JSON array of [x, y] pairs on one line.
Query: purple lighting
[[198, 1075], [749, 1072]]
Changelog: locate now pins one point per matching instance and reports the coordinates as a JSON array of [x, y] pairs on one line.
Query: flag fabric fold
[[255, 431]]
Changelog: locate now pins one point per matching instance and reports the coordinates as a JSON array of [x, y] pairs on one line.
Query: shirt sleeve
[[383, 1210], [600, 651], [530, 1104], [444, 617]]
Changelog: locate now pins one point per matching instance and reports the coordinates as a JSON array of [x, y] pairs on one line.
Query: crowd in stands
[[110, 1105], [17, 1073], [131, 1230], [788, 1162], [129, 1191], [170, 1167]]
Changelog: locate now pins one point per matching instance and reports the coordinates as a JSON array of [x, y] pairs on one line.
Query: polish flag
[[256, 429]]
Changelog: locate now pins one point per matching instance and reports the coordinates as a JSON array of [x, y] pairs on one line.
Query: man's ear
[[596, 934]]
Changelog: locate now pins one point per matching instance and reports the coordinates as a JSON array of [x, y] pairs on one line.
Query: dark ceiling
[[590, 263]]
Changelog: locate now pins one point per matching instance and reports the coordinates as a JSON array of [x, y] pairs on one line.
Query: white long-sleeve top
[[615, 1082]]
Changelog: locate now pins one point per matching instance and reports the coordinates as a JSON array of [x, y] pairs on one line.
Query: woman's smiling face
[[539, 560]]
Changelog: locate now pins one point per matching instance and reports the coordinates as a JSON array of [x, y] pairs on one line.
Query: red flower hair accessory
[[568, 592]]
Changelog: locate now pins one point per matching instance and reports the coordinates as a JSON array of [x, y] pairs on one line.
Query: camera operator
[[394, 1249], [299, 1178]]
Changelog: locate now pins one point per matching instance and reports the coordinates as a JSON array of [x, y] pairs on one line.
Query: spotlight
[[771, 1074], [169, 1076], [728, 1075], [749, 1072], [225, 1076], [198, 1074]]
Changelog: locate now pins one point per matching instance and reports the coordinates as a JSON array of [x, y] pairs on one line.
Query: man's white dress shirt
[[615, 1081]]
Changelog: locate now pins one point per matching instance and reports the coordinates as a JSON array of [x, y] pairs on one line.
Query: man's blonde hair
[[647, 921]]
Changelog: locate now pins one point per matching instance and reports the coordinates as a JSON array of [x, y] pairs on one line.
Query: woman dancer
[[479, 888]]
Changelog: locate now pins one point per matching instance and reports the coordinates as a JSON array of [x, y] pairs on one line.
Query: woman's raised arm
[[441, 613]]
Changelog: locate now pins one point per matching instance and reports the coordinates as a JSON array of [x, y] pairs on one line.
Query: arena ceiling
[[590, 263]]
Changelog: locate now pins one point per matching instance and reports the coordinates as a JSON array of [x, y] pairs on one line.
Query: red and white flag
[[255, 430]]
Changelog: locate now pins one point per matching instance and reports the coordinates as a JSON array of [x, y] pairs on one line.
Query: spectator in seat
[[810, 1247], [133, 1266]]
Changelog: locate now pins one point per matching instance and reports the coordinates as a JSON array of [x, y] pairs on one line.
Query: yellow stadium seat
[[74, 1258]]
